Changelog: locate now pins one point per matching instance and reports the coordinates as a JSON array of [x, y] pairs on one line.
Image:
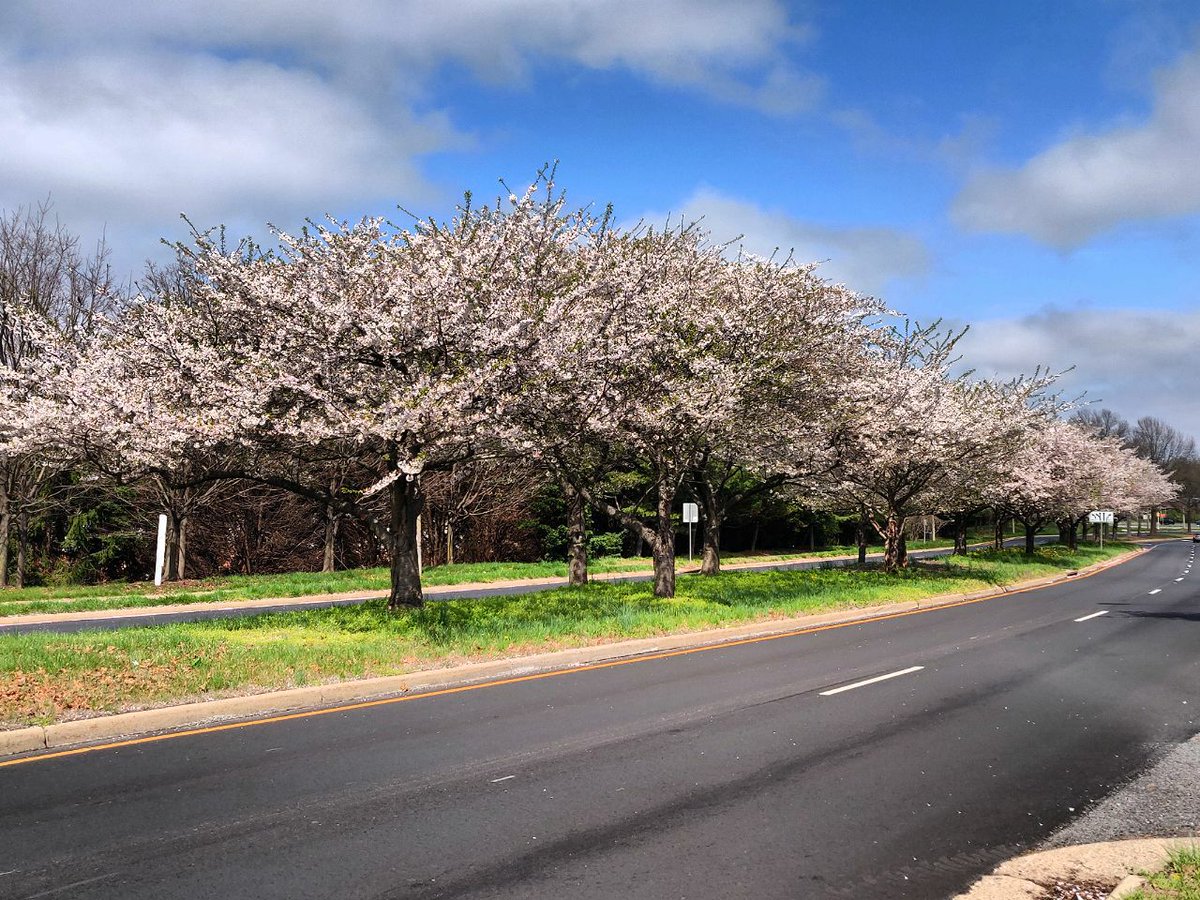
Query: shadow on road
[[1178, 616]]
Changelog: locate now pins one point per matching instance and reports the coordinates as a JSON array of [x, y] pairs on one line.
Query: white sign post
[[160, 555], [691, 514]]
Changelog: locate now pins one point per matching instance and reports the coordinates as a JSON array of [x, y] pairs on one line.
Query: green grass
[[116, 595], [47, 677], [1179, 880]]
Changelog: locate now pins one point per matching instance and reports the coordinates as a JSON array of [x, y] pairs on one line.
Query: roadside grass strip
[[1178, 880], [46, 677], [116, 595]]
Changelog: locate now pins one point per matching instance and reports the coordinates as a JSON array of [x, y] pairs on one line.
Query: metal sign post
[[691, 514], [1101, 517]]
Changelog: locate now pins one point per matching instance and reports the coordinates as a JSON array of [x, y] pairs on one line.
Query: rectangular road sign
[[691, 512], [1100, 517]]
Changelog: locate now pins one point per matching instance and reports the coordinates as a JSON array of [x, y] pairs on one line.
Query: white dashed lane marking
[[875, 680], [1103, 612]]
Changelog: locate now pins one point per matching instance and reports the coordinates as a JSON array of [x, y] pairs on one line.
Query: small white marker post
[[420, 567], [160, 554], [691, 513]]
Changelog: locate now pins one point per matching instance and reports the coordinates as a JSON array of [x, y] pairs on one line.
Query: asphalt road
[[725, 773], [104, 619]]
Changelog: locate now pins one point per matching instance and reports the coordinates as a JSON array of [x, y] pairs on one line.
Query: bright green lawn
[[116, 595], [47, 676]]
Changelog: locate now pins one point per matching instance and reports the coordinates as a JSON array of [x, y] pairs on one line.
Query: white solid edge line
[[1156, 591], [876, 679], [1103, 612]]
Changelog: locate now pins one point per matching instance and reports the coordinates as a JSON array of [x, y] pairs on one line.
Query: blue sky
[[1029, 168]]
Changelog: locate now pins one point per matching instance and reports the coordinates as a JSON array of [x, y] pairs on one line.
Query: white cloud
[[866, 259], [1135, 362], [706, 44], [1091, 183], [128, 112], [116, 134]]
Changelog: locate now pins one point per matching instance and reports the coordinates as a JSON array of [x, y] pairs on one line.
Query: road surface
[[899, 758]]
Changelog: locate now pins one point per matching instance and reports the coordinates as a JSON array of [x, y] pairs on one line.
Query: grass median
[[52, 677], [114, 595]]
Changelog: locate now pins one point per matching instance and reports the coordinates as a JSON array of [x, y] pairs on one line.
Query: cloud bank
[[128, 113], [1135, 362], [865, 259], [1091, 183]]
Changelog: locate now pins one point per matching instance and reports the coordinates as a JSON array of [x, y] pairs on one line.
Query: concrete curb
[[1111, 862], [169, 718]]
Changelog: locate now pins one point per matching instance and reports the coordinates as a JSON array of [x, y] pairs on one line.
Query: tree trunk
[[664, 543], [405, 501], [860, 535], [1154, 521], [249, 540], [754, 537], [181, 550], [449, 541], [998, 540], [960, 536], [710, 563], [893, 543], [331, 530], [1030, 539], [5, 530], [577, 548], [714, 516], [171, 549], [22, 545]]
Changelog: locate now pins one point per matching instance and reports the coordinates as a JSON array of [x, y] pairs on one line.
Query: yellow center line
[[442, 692]]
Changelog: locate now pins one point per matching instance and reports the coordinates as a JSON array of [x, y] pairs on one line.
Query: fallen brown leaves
[[115, 679]]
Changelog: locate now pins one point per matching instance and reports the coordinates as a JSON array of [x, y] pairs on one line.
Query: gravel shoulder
[[1128, 832], [1164, 800]]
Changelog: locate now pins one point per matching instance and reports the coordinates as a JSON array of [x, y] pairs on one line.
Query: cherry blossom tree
[[51, 293], [1163, 445], [792, 342], [1063, 472], [921, 440], [405, 345], [655, 368]]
